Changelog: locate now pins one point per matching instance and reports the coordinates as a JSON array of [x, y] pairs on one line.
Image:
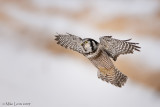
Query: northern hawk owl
[[100, 53]]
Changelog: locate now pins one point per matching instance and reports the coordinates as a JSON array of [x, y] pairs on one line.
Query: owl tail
[[119, 78], [116, 78]]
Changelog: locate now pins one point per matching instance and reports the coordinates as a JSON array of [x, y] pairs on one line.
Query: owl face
[[89, 45]]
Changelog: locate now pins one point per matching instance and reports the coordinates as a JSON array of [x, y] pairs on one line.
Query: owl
[[100, 54]]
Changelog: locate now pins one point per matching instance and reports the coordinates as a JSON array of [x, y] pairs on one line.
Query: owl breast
[[100, 59]]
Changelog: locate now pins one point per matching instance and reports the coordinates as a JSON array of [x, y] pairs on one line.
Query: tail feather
[[102, 77], [117, 78]]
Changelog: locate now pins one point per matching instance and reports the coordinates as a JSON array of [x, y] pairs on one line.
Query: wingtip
[[127, 40], [134, 43], [137, 48], [109, 36], [68, 33], [57, 37]]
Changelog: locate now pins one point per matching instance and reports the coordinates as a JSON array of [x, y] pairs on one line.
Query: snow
[[45, 79]]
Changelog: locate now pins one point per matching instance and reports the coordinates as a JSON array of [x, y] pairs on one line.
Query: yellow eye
[[84, 42]]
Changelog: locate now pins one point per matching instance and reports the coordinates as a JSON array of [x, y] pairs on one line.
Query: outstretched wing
[[70, 41], [115, 47]]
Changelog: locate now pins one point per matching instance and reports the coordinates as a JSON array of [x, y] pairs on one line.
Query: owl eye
[[86, 42]]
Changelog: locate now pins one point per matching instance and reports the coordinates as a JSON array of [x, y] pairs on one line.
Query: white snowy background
[[31, 74]]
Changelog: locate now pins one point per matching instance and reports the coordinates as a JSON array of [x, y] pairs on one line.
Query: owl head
[[89, 45]]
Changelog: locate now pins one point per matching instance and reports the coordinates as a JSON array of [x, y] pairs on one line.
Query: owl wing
[[70, 41], [115, 47]]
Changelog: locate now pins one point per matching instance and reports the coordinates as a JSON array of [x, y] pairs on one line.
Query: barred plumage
[[107, 71], [70, 41], [99, 54], [115, 47]]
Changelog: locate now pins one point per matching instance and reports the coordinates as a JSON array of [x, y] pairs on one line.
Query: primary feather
[[70, 41], [115, 47]]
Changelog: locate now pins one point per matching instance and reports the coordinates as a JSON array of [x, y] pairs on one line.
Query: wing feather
[[70, 41], [115, 47]]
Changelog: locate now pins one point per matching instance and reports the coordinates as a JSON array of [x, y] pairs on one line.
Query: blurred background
[[33, 69]]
